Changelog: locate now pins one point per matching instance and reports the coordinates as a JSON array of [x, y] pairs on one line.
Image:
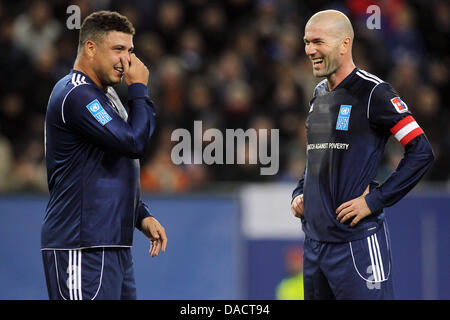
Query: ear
[[90, 47], [345, 45]]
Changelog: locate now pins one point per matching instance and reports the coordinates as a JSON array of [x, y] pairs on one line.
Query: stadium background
[[230, 64]]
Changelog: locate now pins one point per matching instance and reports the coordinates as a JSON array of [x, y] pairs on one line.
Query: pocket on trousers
[[371, 257], [79, 272]]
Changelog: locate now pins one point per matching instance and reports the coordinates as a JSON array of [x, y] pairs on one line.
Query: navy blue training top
[[347, 129], [92, 151]]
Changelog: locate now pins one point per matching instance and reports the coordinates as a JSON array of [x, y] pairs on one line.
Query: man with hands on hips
[[351, 116]]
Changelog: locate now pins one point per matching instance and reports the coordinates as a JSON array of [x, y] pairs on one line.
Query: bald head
[[333, 22]]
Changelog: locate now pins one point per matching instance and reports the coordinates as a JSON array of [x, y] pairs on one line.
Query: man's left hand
[[156, 233], [355, 209]]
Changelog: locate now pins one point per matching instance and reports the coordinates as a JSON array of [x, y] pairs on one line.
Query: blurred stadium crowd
[[230, 64]]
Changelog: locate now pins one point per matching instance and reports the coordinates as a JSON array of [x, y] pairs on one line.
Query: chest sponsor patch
[[96, 109], [343, 117], [399, 105]]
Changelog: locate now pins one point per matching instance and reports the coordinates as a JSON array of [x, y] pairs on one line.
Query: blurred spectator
[[431, 114], [231, 64], [405, 78], [237, 104], [6, 163], [290, 46], [29, 167], [36, 30], [14, 117], [169, 23], [291, 287], [200, 103], [405, 41], [43, 77], [170, 89], [213, 25], [149, 47], [439, 75], [191, 51], [162, 175], [16, 65]]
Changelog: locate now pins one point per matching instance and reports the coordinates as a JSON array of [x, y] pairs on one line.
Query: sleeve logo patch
[[96, 109], [399, 105], [343, 117]]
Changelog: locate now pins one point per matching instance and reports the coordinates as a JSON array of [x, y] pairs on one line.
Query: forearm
[[418, 158], [142, 212], [141, 118]]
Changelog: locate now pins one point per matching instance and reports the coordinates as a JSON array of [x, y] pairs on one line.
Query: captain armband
[[406, 130]]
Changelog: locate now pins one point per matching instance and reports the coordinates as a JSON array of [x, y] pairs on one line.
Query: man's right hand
[[297, 206], [135, 71]]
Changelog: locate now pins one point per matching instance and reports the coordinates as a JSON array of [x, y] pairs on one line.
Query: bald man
[[351, 116]]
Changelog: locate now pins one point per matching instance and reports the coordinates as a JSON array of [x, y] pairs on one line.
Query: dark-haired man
[[92, 151]]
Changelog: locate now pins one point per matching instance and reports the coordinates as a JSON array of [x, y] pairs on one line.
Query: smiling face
[[323, 49], [106, 54], [328, 44]]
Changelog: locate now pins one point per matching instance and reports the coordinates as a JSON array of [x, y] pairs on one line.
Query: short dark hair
[[98, 23]]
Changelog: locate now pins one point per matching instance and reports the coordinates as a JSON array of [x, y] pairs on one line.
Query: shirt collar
[[346, 80], [78, 77]]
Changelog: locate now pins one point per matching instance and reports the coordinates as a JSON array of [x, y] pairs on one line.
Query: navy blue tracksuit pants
[[358, 269], [87, 274]]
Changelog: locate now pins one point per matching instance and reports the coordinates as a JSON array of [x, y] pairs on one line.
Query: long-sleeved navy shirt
[[92, 153], [347, 130]]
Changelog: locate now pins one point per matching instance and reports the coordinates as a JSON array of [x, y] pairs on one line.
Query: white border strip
[[57, 276], [405, 130], [372, 260], [101, 275], [388, 255], [69, 279], [79, 80], [377, 258], [369, 75], [377, 247], [367, 78], [80, 295], [370, 97], [92, 247]]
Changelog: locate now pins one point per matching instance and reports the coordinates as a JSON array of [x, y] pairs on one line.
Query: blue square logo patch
[[343, 117], [96, 109]]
